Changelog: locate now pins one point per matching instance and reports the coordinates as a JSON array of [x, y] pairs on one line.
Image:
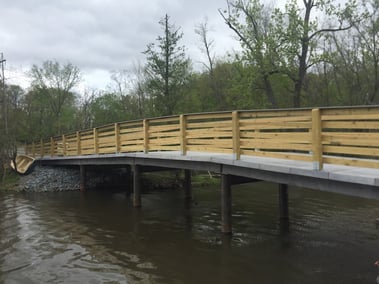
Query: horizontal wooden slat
[[164, 141], [350, 124], [163, 128], [164, 148], [212, 142], [202, 125], [352, 162], [371, 116], [351, 150], [336, 140], [164, 120], [213, 116], [276, 126], [132, 148], [281, 113], [209, 149], [209, 134], [274, 145], [280, 155]]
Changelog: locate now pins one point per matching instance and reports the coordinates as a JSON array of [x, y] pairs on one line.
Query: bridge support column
[[283, 202], [187, 185], [137, 186], [226, 204], [83, 178]]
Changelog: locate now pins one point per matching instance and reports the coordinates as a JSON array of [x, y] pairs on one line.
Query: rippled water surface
[[98, 237]]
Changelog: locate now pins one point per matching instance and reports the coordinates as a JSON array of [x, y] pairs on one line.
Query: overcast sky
[[100, 35]]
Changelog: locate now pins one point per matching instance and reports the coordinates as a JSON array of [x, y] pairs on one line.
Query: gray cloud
[[98, 35]]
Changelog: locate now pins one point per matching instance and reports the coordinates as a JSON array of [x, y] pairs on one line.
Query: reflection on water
[[98, 237]]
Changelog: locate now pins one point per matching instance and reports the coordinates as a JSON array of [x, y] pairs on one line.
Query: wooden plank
[[277, 113], [350, 125], [277, 126], [208, 135], [183, 134], [355, 151], [164, 128], [164, 148], [236, 134], [117, 137], [136, 136], [164, 141], [317, 148], [352, 162], [163, 120], [368, 116], [301, 137], [105, 134], [215, 116], [131, 130], [279, 155], [165, 135], [351, 111], [211, 142], [146, 135], [136, 148], [106, 140], [275, 146], [132, 142], [279, 119], [354, 141], [227, 124], [209, 149]]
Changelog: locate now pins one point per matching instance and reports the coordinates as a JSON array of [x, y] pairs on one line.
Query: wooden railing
[[347, 136]]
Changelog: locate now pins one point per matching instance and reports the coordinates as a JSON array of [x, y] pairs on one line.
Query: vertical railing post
[[51, 146], [95, 141], [183, 133], [316, 140], [78, 143], [64, 145], [117, 138], [146, 136], [26, 149], [41, 148], [236, 135]]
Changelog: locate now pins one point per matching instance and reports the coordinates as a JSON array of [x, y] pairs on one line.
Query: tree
[[55, 83], [250, 20], [286, 41], [202, 31], [167, 69]]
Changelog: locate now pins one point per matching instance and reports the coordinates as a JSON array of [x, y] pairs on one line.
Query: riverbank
[[44, 178]]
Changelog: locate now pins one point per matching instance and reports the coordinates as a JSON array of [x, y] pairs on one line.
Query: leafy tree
[[286, 41], [55, 83], [167, 69]]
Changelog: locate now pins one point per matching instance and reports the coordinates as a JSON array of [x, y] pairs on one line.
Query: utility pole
[[4, 97]]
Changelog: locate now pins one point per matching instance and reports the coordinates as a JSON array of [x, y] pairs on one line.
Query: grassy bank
[[11, 179]]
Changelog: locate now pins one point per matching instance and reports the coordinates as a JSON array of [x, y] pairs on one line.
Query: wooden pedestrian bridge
[[329, 149]]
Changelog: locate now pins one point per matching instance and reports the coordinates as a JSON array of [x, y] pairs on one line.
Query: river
[[98, 237]]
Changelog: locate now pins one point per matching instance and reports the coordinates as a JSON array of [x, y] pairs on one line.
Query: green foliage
[[52, 84], [167, 69]]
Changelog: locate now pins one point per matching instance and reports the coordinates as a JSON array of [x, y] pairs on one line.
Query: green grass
[[10, 181]]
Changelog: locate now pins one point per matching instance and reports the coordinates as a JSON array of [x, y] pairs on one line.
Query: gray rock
[[44, 178]]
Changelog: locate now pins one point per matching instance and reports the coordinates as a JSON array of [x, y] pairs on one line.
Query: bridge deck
[[362, 182]]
